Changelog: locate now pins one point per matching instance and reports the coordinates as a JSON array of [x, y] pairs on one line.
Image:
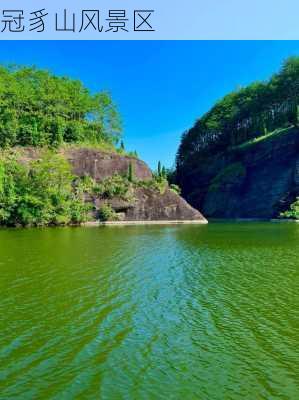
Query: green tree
[[39, 193], [38, 108], [240, 116], [130, 172], [159, 168]]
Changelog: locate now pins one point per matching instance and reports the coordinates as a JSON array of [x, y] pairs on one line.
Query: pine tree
[[130, 173], [159, 168]]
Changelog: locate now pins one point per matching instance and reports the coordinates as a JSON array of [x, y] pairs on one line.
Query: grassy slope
[[271, 135]]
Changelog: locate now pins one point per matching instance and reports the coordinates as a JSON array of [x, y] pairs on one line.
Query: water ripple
[[150, 313]]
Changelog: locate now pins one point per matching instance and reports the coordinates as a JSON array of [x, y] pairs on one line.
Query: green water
[[171, 312]]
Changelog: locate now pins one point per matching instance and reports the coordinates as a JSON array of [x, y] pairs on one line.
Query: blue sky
[[160, 87]]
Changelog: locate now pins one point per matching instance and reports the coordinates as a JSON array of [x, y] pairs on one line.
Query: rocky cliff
[[150, 205], [146, 203], [258, 179], [143, 203], [100, 165]]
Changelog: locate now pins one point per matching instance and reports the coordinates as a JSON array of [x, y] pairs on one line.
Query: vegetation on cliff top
[[40, 109], [241, 116], [258, 113]]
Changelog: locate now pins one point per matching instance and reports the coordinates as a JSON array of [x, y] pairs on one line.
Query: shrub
[[175, 188], [157, 183], [106, 213], [41, 192], [114, 186], [293, 212], [133, 154], [86, 184]]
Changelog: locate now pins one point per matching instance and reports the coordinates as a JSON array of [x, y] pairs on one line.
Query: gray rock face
[[100, 165], [258, 181], [148, 204], [152, 205]]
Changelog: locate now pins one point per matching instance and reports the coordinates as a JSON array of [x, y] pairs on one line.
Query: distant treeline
[[244, 114], [38, 109]]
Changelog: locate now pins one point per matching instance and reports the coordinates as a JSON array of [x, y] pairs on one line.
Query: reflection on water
[[177, 312]]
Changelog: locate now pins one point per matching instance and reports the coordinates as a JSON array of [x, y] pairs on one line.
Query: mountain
[[241, 159]]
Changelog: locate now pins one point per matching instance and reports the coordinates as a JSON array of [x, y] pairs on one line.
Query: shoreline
[[284, 220], [182, 222], [253, 220], [154, 222]]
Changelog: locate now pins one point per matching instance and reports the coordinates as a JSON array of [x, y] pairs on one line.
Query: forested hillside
[[46, 181], [42, 110], [244, 114], [38, 108], [240, 159]]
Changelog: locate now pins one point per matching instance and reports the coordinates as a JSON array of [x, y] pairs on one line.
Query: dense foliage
[[242, 115], [37, 108], [106, 213], [123, 186], [42, 192], [114, 186], [293, 212]]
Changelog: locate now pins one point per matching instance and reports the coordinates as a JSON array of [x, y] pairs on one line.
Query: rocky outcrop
[[93, 162], [100, 165], [145, 204], [257, 180], [150, 205]]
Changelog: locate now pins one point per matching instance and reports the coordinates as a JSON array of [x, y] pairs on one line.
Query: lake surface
[[153, 312]]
